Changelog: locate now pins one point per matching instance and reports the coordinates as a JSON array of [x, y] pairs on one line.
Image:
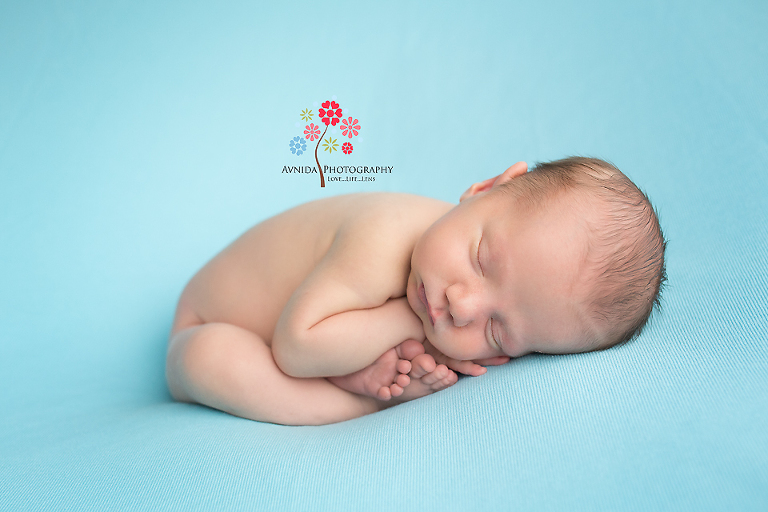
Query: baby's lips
[[425, 301]]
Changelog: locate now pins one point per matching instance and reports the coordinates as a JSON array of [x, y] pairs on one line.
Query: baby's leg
[[231, 369], [387, 376]]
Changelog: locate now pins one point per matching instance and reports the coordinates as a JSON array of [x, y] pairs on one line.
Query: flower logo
[[349, 127], [330, 145], [312, 132], [298, 146], [330, 113]]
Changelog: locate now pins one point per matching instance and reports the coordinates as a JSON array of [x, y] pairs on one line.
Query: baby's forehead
[[562, 212], [556, 237]]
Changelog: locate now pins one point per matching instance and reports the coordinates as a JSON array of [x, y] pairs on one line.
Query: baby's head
[[566, 258]]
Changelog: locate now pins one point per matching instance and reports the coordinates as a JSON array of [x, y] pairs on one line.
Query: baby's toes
[[449, 380], [384, 393], [403, 366], [402, 380], [435, 377], [409, 349], [396, 390], [423, 364]]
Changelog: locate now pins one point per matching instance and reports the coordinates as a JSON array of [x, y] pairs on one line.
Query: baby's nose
[[463, 305]]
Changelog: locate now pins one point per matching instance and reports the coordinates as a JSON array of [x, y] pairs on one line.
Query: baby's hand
[[473, 368]]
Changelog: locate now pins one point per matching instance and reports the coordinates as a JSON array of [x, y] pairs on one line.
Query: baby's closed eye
[[477, 254]]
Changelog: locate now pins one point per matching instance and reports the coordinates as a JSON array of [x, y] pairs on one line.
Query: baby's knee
[[211, 357], [191, 354]]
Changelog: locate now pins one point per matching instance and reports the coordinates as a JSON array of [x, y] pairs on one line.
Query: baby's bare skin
[[342, 288], [250, 282]]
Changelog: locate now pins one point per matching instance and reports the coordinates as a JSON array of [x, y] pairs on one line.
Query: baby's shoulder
[[374, 242], [384, 214]]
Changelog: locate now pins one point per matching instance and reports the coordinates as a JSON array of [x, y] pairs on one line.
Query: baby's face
[[488, 281]]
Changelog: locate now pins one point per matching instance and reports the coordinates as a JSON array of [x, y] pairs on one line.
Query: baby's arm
[[343, 316], [344, 342]]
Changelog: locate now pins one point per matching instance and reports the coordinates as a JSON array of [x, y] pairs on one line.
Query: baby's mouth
[[423, 297]]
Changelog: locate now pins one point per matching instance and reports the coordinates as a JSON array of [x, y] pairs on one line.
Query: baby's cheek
[[452, 348], [423, 334]]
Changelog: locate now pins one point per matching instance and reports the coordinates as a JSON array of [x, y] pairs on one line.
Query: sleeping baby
[[347, 305]]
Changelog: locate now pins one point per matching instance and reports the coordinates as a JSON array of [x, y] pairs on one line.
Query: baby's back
[[249, 283]]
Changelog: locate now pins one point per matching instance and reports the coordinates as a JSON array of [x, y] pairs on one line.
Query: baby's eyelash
[[478, 256]]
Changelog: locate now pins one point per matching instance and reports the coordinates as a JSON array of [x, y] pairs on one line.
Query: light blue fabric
[[138, 138]]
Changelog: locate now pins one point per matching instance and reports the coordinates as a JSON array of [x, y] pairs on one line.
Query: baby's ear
[[512, 172], [479, 187]]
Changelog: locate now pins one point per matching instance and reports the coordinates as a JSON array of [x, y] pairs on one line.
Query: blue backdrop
[[137, 139]]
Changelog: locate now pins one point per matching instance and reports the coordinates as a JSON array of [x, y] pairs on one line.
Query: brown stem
[[322, 179]]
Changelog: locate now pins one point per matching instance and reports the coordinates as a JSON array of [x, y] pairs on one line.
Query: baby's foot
[[387, 376], [427, 377]]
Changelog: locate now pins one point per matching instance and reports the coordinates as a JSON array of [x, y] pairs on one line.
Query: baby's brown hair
[[624, 261]]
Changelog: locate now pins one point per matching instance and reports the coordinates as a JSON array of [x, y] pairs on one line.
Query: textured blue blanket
[[139, 138]]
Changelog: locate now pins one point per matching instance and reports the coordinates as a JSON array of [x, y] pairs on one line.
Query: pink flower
[[330, 113], [312, 132], [349, 127], [346, 148]]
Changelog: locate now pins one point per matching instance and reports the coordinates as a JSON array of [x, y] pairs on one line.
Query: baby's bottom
[[232, 369]]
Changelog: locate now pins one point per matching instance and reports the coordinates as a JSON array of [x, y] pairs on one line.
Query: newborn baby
[[343, 306]]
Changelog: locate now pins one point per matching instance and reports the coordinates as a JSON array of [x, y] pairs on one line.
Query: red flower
[[349, 127], [346, 148], [330, 113], [312, 131]]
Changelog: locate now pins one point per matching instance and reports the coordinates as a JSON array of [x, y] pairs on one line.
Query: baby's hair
[[625, 253]]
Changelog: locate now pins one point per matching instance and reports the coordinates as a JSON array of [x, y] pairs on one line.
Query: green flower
[[330, 145], [306, 114]]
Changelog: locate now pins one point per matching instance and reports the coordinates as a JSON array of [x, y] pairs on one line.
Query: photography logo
[[333, 116]]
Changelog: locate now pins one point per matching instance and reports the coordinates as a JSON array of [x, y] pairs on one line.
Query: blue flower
[[298, 145]]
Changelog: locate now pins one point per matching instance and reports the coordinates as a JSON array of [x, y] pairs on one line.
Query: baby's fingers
[[465, 367], [493, 361]]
